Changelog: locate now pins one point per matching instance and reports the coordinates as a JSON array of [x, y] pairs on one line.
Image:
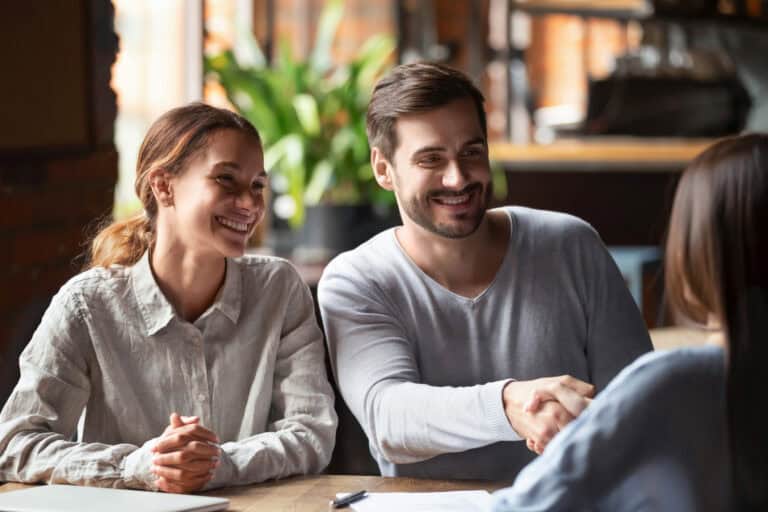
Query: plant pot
[[331, 229]]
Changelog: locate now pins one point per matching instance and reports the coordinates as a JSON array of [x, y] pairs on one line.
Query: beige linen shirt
[[112, 353]]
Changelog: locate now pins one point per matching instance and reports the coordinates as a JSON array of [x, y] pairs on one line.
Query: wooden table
[[312, 493]]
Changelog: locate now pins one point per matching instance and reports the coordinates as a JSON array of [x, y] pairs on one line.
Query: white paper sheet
[[449, 501]]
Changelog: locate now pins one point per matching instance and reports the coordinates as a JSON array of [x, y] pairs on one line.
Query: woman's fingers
[[191, 452], [176, 442], [175, 420], [174, 486], [198, 431], [166, 486], [188, 472], [179, 437]]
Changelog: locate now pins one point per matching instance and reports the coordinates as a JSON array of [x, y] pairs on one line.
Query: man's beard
[[464, 224]]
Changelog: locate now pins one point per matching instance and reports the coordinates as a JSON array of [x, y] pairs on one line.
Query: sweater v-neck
[[469, 301]]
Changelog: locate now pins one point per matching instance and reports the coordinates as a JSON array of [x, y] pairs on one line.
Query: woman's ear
[[382, 169], [162, 189]]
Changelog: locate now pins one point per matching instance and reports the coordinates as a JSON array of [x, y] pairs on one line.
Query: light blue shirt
[[655, 439]]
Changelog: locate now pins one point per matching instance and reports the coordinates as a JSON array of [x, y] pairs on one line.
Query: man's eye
[[472, 152], [225, 179], [430, 160], [257, 185]]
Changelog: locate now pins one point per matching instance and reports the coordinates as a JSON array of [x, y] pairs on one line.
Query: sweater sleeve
[[38, 422], [378, 375], [616, 332], [301, 431]]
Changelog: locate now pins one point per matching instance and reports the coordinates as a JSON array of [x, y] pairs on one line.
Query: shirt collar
[[155, 309], [229, 297], [158, 312]]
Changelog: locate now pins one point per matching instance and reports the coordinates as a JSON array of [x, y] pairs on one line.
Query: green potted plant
[[311, 115]]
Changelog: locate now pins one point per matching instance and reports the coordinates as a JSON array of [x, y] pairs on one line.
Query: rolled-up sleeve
[[39, 420]]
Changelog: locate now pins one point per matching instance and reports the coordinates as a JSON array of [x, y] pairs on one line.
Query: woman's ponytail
[[122, 242]]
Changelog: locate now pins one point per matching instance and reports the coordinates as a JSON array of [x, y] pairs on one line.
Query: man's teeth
[[454, 200], [237, 226]]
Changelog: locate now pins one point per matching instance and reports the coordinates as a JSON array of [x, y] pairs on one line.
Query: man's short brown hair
[[413, 88]]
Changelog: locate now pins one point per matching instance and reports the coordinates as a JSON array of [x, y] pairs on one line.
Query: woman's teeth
[[237, 226]]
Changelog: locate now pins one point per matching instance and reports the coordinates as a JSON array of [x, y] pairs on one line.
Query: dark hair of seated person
[[717, 264]]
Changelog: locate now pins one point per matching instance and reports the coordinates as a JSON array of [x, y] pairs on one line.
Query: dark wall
[[627, 208], [58, 164]]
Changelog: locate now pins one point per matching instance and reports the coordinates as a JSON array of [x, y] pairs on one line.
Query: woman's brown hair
[[171, 141], [717, 262]]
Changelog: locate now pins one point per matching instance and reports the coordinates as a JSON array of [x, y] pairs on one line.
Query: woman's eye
[[257, 186], [225, 179]]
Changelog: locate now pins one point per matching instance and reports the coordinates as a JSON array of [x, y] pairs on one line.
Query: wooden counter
[[601, 154], [622, 9], [622, 186]]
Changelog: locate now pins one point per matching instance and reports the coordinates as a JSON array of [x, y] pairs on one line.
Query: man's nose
[[454, 176]]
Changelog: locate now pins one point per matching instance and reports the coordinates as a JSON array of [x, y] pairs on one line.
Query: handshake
[[539, 409]]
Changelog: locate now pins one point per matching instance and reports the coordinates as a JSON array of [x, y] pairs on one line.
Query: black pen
[[349, 499]]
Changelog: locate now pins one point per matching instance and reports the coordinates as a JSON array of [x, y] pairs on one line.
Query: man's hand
[[539, 409], [185, 455]]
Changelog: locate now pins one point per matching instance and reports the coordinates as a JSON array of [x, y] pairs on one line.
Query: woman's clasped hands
[[185, 456]]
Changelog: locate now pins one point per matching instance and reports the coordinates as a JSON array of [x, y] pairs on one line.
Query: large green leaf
[[305, 106], [322, 176], [373, 56], [287, 155], [248, 50]]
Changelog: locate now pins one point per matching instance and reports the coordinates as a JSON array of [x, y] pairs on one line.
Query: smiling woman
[[170, 319], [170, 147], [217, 202]]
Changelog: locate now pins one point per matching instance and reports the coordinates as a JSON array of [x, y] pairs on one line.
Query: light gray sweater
[[422, 369]]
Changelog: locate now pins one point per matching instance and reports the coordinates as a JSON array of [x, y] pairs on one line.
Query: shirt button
[[202, 398]]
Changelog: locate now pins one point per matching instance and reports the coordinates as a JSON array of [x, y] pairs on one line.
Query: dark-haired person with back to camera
[[187, 365], [682, 430], [441, 329]]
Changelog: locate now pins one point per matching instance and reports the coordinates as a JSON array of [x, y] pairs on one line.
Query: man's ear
[[162, 187], [382, 169]]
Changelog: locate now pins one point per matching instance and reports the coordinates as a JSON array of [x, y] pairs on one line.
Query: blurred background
[[594, 108]]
